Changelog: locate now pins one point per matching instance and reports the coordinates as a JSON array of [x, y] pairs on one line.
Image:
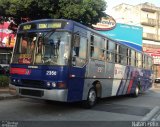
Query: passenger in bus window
[[39, 51], [24, 46], [32, 46], [108, 56], [102, 57], [40, 45]]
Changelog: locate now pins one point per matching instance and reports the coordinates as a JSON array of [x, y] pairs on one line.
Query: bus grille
[[33, 83], [36, 93]]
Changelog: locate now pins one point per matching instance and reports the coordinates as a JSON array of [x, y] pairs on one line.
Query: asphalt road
[[114, 109]]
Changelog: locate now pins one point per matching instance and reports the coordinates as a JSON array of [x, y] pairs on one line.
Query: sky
[[113, 3]]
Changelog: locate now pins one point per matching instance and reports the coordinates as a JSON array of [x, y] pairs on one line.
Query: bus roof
[[81, 25]]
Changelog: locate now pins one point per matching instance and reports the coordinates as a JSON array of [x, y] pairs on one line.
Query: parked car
[[157, 80]]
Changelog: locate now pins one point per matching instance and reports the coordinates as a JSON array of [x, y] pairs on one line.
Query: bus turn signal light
[[61, 85]]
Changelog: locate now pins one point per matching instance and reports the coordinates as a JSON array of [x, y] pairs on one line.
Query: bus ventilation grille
[[29, 92], [33, 83]]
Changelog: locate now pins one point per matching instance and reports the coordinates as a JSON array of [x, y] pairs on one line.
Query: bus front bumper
[[53, 94]]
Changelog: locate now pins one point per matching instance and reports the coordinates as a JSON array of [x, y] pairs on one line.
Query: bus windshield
[[48, 48]]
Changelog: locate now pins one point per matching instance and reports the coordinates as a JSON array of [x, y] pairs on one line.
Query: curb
[[8, 96], [151, 114]]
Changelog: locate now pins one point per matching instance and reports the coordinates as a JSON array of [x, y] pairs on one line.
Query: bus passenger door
[[78, 68]]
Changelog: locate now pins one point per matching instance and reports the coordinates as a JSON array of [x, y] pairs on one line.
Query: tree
[[85, 11]]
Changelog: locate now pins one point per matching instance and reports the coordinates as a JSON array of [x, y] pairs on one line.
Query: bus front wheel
[[91, 99]]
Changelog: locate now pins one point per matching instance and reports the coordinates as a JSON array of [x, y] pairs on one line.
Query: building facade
[[147, 16], [7, 41]]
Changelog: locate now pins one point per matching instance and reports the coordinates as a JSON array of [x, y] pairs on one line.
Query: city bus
[[62, 60]]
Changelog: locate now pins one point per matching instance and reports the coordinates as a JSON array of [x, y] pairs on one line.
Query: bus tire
[[91, 98], [136, 92]]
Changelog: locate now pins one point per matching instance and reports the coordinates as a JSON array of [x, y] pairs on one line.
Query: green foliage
[[85, 11], [4, 81]]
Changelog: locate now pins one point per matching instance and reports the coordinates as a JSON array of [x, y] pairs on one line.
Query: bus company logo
[[106, 23]]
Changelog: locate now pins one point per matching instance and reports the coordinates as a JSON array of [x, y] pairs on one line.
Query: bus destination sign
[[43, 25], [26, 27], [49, 25]]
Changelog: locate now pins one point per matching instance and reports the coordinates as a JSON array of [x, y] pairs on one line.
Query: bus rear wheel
[[136, 92], [91, 99]]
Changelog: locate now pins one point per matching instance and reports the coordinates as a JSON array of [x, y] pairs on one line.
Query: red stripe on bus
[[130, 86], [20, 71]]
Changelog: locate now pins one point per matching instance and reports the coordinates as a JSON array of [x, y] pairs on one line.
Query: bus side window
[[91, 45], [139, 60], [117, 55], [148, 67], [92, 39], [102, 47], [132, 57], [136, 59], [79, 52], [96, 47], [128, 56], [123, 53], [142, 62], [150, 62], [146, 62], [110, 52], [76, 44], [107, 52]]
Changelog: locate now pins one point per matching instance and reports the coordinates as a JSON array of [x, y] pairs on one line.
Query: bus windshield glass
[[48, 48]]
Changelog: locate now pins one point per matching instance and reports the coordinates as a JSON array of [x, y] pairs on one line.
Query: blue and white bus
[[62, 60]]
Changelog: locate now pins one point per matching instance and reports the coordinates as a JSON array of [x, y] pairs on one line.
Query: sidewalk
[[6, 93]]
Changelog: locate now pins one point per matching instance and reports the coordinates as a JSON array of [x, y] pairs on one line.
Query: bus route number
[[51, 73]]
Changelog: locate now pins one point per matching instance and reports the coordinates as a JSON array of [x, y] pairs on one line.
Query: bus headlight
[[48, 84], [14, 80], [53, 84]]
